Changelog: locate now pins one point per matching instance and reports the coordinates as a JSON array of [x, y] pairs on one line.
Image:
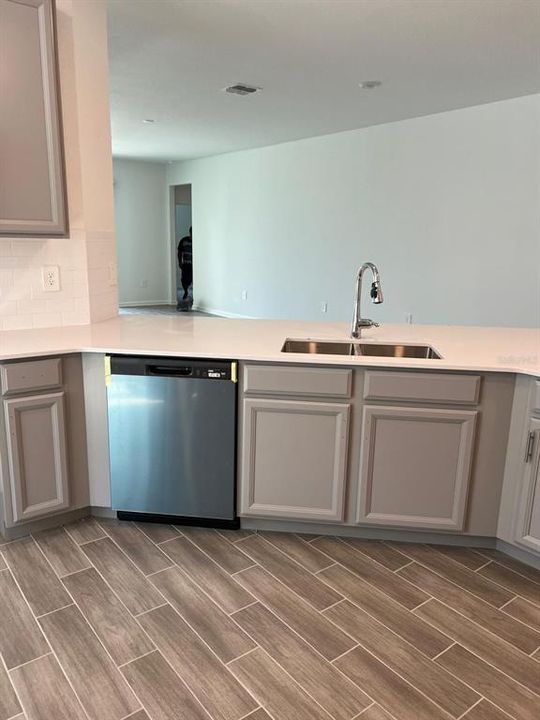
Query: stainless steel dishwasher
[[172, 438]]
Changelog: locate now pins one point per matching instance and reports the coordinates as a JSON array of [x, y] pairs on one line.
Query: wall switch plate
[[324, 307], [50, 278], [113, 278], [243, 294]]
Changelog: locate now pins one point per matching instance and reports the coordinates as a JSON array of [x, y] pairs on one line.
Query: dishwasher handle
[[170, 370]]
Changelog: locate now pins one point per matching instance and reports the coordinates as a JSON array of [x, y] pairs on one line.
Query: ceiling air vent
[[241, 89]]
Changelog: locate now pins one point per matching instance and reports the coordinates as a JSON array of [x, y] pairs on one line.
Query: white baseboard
[[144, 303], [223, 313]]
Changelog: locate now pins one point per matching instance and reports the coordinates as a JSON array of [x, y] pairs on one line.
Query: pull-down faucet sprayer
[[376, 297]]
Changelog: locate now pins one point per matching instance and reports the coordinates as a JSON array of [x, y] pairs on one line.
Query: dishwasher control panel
[[172, 367]]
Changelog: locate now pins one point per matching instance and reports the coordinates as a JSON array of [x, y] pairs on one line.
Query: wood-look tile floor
[[108, 620]]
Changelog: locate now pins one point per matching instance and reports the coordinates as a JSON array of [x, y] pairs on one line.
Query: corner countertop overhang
[[463, 348]]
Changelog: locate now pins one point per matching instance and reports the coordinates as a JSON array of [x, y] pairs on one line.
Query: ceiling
[[171, 59]]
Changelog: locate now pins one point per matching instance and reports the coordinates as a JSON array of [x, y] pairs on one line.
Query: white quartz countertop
[[515, 350]]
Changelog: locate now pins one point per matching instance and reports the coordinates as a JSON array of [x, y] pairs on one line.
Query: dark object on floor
[[185, 305]]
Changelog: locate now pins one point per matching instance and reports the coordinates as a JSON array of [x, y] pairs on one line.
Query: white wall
[[142, 232], [446, 205]]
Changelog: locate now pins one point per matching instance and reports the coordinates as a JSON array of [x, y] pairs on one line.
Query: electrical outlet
[[50, 278], [408, 318], [243, 294], [324, 307], [113, 278]]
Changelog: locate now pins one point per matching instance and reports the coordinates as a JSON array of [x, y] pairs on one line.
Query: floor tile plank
[[281, 566], [391, 691], [218, 584], [490, 618], [161, 691], [158, 532], [533, 574], [372, 572], [224, 553], [408, 662], [98, 684], [3, 565], [259, 714], [317, 630], [93, 675], [485, 711], [36, 578], [274, 689], [208, 679], [423, 636], [9, 705], [21, 639], [235, 536], [337, 695], [60, 550], [131, 586], [137, 546], [501, 690], [512, 581], [44, 691], [489, 647], [112, 623], [298, 549], [375, 712], [85, 530], [216, 628], [139, 715], [525, 611], [473, 582], [378, 551], [462, 555]]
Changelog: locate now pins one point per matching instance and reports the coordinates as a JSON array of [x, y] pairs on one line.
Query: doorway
[[182, 279]]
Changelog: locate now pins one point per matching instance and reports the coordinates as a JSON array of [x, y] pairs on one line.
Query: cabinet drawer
[[423, 387], [33, 375], [309, 381]]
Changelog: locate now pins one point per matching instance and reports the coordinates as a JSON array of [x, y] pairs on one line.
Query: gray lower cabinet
[[528, 515], [37, 478], [32, 192], [294, 459], [415, 466]]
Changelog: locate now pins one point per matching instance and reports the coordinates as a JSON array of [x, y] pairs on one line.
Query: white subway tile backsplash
[[17, 322], [85, 291], [47, 320]]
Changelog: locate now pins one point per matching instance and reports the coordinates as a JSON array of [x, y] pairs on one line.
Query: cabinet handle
[[530, 446]]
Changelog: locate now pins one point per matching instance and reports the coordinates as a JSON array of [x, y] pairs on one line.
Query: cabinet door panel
[[37, 481], [294, 459], [415, 467], [528, 517], [32, 200]]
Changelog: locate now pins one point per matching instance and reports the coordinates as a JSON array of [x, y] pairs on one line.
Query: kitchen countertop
[[488, 349]]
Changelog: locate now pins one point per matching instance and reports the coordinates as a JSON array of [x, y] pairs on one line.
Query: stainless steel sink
[[324, 347]]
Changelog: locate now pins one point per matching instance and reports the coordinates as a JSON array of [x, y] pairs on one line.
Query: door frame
[[172, 238]]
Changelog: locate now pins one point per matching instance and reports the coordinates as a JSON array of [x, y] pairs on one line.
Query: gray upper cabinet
[[294, 459], [415, 466], [32, 182], [528, 516], [37, 480]]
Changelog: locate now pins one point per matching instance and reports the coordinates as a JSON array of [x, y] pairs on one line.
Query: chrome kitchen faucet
[[376, 297]]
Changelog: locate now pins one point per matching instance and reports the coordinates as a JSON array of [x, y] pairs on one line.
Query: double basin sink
[[371, 349]]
